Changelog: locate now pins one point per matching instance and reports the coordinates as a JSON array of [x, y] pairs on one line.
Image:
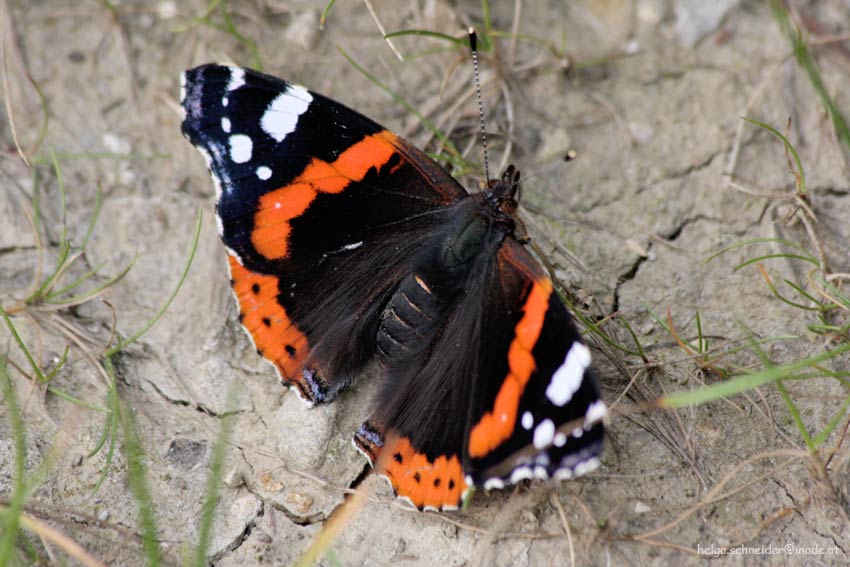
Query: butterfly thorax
[[449, 266]]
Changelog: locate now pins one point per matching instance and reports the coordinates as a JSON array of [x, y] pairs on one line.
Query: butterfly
[[348, 244]]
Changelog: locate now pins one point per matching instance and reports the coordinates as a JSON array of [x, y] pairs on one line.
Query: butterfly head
[[502, 193]]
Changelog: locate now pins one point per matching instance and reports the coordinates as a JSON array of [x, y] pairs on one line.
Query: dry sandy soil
[[649, 94]]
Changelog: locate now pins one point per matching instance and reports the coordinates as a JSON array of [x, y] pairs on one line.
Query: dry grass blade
[[381, 29], [557, 503], [57, 538], [716, 494], [6, 90]]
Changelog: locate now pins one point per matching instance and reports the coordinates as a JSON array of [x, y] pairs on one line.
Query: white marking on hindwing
[[586, 467], [521, 473], [562, 474], [241, 147], [225, 124], [543, 434], [264, 172], [595, 413], [281, 116], [527, 420], [560, 439], [568, 377], [492, 483]]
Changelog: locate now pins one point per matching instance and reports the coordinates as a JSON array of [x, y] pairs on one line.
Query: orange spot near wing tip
[[274, 334], [437, 484], [497, 425]]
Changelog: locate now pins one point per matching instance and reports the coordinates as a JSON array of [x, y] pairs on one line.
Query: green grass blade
[[64, 250], [402, 101], [795, 415], [98, 203], [12, 515], [91, 273], [135, 336], [137, 480], [771, 256], [35, 368], [807, 62], [801, 291], [53, 298], [801, 185], [325, 13], [742, 383], [213, 488], [834, 292], [751, 241], [821, 437], [594, 328], [428, 33]]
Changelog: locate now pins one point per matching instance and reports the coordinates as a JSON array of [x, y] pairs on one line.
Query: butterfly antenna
[[473, 45], [570, 156]]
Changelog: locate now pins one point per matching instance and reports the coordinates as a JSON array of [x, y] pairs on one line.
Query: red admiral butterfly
[[347, 243]]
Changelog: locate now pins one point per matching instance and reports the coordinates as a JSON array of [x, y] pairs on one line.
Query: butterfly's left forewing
[[313, 200]]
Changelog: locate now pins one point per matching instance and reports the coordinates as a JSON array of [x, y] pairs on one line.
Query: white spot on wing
[[492, 483], [225, 124], [281, 116], [595, 412], [587, 466], [527, 420], [521, 473], [264, 172], [543, 434], [182, 87], [354, 246], [237, 78], [560, 439], [562, 474], [240, 148], [567, 378]]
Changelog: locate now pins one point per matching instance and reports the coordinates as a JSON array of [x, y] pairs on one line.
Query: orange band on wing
[[275, 337], [496, 426], [438, 484], [275, 209]]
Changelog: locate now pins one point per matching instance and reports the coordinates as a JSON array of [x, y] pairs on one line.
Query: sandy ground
[[651, 103]]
